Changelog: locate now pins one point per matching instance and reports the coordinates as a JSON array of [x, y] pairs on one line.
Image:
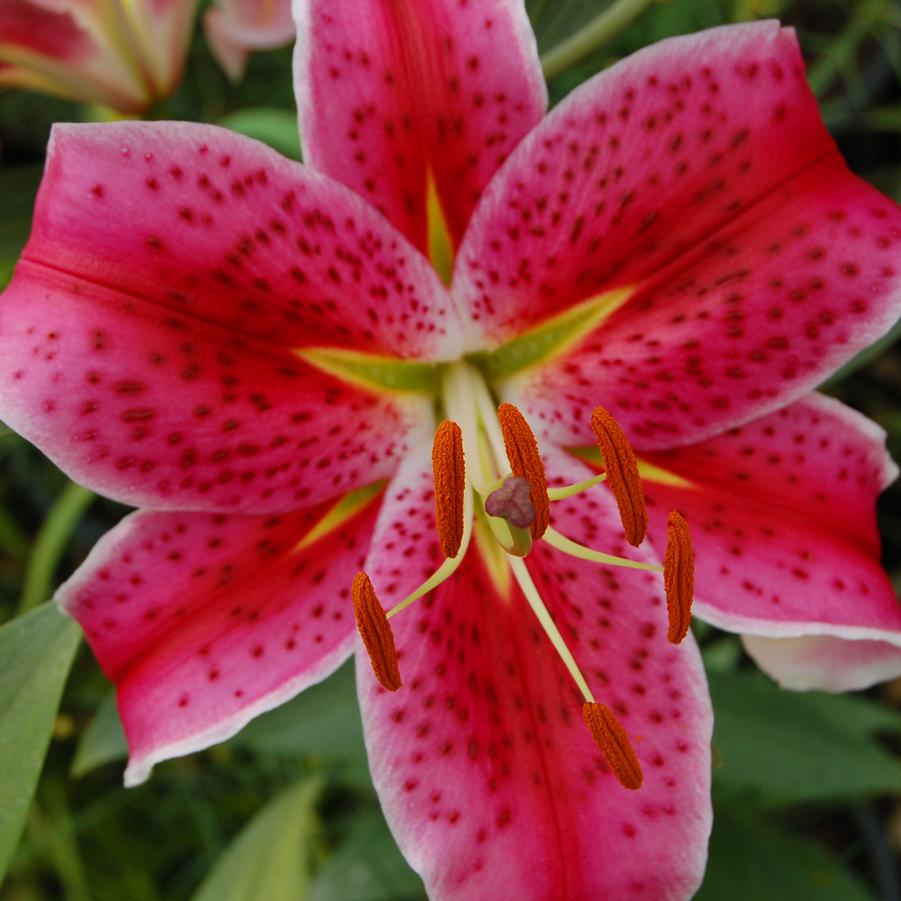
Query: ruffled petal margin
[[205, 621], [782, 512], [825, 663]]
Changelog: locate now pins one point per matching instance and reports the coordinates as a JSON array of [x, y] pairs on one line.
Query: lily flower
[[234, 28], [358, 393], [124, 54]]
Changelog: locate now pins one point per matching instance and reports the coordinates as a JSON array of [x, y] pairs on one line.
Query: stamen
[[622, 474], [376, 632], [449, 473], [612, 739], [678, 577], [525, 461]]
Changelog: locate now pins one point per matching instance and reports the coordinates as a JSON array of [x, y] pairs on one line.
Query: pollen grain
[[449, 472], [525, 462], [376, 633], [622, 474], [612, 739], [678, 577]]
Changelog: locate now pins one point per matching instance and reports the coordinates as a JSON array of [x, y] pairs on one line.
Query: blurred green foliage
[[803, 782]]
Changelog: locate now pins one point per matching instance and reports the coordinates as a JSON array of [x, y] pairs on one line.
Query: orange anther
[[611, 738], [450, 486], [622, 474], [376, 632], [678, 577], [525, 462]]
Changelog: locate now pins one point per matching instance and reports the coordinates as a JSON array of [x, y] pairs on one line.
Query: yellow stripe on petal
[[651, 473], [441, 248], [374, 372], [346, 508], [648, 471], [552, 338]]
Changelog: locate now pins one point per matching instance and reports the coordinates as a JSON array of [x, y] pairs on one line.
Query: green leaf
[[367, 867], [37, 651], [270, 856], [102, 742], [322, 722], [18, 186], [780, 748], [752, 860], [275, 127]]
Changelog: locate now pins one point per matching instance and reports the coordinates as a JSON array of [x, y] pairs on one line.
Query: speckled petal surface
[[782, 514], [149, 339], [697, 175], [489, 779], [390, 94], [204, 621], [824, 663]]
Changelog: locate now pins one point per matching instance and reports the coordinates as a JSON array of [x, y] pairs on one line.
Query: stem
[[602, 28], [50, 826], [51, 541], [842, 50]]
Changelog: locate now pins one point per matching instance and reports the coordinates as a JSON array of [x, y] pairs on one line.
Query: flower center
[[488, 474]]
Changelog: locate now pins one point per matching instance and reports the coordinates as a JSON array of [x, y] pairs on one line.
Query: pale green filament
[[450, 565], [559, 494], [550, 628], [580, 552]]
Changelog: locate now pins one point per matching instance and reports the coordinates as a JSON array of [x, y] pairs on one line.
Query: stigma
[[487, 470]]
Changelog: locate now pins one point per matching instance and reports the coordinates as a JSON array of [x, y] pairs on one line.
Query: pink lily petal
[[824, 663], [489, 779], [205, 621], [235, 27], [206, 223], [697, 175], [782, 517], [149, 345], [391, 94]]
